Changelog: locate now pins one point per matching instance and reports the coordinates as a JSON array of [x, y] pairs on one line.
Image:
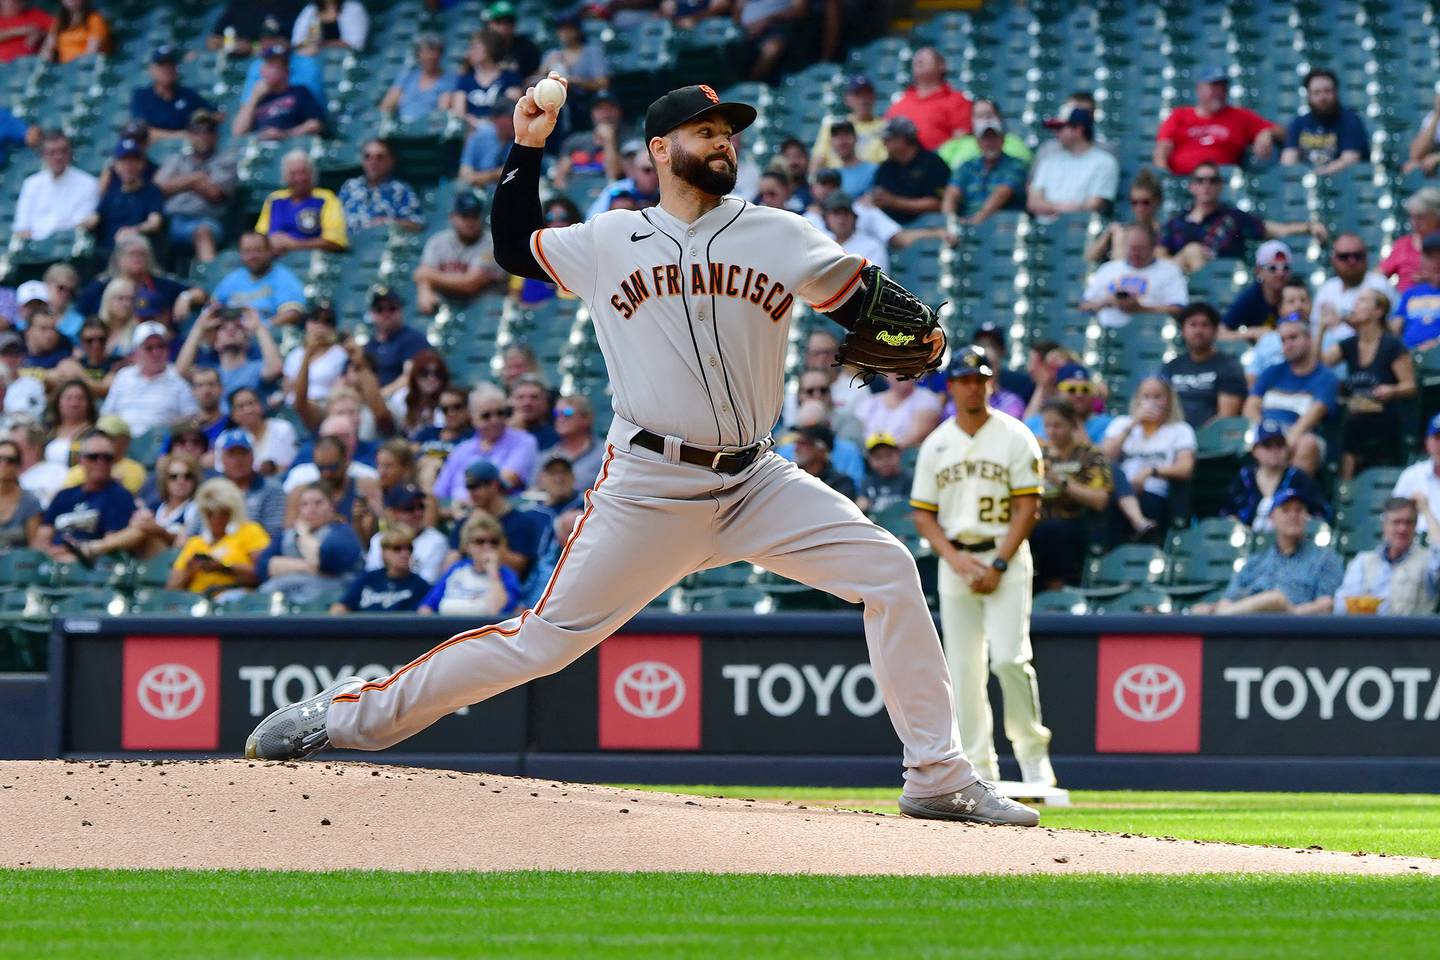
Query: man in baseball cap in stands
[[264, 498], [458, 263], [149, 394], [278, 108], [1256, 309], [127, 471], [405, 505], [887, 479], [132, 204], [1292, 575], [166, 105], [1074, 384], [911, 179], [812, 454], [1078, 177], [840, 223], [860, 114]]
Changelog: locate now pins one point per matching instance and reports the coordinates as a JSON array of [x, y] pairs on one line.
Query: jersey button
[[692, 233], [694, 252], [714, 362]]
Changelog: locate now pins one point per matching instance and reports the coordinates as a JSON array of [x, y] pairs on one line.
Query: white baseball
[[549, 94]]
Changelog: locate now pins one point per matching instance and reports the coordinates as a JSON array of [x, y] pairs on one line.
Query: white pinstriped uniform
[[967, 481]]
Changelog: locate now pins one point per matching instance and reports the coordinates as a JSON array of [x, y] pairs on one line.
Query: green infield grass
[[1372, 822], [184, 914]]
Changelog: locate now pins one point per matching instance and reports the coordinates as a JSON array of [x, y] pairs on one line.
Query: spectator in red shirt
[[1404, 258], [939, 111], [1213, 131], [22, 29]]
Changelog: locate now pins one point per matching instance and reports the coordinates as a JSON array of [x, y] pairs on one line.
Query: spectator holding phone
[[225, 552]]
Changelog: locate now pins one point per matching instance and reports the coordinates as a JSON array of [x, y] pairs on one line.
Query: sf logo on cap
[[710, 94]]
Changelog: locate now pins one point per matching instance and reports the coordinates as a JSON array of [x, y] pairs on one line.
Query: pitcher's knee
[[888, 569]]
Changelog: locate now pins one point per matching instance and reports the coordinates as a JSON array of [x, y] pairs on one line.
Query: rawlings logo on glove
[[889, 333]]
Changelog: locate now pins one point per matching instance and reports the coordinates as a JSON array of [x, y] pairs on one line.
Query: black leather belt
[[980, 547], [722, 461]]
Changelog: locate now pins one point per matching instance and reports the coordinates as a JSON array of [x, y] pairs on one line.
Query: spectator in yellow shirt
[[223, 554], [302, 216]]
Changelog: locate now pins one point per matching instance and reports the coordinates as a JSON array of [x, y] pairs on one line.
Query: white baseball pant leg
[[646, 524], [993, 630], [793, 524]]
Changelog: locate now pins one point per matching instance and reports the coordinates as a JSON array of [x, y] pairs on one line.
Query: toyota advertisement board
[[785, 684]]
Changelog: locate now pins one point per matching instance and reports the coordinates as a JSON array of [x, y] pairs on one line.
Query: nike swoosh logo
[[510, 176], [636, 237]]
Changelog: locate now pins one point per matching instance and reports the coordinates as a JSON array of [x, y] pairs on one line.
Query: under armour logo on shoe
[[965, 802]]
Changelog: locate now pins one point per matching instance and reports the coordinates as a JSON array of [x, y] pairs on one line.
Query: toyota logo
[[171, 691], [650, 689], [1149, 692]]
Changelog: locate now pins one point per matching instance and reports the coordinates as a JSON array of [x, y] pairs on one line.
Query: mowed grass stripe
[[1399, 824], [188, 914]]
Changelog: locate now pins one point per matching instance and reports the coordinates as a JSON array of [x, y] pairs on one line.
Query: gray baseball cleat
[[977, 803], [297, 731]]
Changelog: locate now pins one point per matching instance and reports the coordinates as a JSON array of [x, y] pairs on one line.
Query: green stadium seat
[[1143, 600], [177, 602], [1061, 601], [1125, 566]]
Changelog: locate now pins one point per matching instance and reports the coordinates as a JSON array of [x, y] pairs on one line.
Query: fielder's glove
[[888, 337]]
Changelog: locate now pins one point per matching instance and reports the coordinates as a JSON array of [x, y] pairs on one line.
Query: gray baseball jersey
[[693, 319]]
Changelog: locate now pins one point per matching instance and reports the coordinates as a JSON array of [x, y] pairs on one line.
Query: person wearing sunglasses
[[533, 404], [376, 198], [1255, 310], [130, 472], [479, 584], [389, 584], [1350, 261], [88, 519], [1146, 197], [61, 283], [1209, 228], [20, 509], [150, 393], [1073, 384], [576, 440], [408, 506], [223, 554], [525, 529], [392, 344], [511, 449]]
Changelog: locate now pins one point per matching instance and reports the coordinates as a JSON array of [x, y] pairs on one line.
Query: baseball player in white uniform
[[976, 495], [691, 302]]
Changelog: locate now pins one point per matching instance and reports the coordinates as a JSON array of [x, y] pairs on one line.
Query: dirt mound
[[324, 816]]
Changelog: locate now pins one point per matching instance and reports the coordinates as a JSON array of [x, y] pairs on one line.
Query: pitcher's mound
[[327, 815]]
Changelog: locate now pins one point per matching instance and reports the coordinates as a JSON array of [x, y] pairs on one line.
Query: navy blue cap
[[165, 53], [1284, 496], [1431, 242], [968, 361], [482, 471], [466, 204], [1434, 426], [128, 148], [1072, 371], [276, 50], [405, 495], [1214, 74], [1268, 430], [859, 82]]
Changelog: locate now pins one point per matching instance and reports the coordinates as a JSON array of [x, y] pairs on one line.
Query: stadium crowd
[[238, 428]]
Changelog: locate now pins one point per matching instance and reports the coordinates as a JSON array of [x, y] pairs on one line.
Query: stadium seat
[[1060, 601], [1143, 600], [1125, 566], [174, 602]]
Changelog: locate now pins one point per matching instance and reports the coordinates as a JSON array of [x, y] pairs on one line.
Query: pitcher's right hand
[[533, 125]]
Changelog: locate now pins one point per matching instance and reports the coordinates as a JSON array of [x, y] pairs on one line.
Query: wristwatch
[[1000, 564]]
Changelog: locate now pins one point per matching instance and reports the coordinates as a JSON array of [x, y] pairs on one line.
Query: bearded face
[[701, 171]]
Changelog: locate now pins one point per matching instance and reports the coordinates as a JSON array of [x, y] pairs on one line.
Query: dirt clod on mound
[[311, 816]]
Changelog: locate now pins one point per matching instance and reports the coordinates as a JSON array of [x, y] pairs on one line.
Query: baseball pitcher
[[976, 496], [691, 302]]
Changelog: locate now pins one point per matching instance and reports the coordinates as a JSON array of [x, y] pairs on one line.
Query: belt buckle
[[730, 452]]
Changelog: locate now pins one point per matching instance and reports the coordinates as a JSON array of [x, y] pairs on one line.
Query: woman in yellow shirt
[[78, 31], [223, 554]]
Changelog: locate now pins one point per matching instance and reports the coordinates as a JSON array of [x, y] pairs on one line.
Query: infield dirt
[[336, 815]]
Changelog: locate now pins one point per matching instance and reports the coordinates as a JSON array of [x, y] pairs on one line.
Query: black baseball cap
[[165, 53], [679, 107], [466, 204], [991, 329], [383, 294]]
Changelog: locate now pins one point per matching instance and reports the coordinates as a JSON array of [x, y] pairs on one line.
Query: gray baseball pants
[[649, 521]]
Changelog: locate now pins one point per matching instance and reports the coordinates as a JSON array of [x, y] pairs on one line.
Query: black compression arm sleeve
[[849, 311], [517, 213]]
